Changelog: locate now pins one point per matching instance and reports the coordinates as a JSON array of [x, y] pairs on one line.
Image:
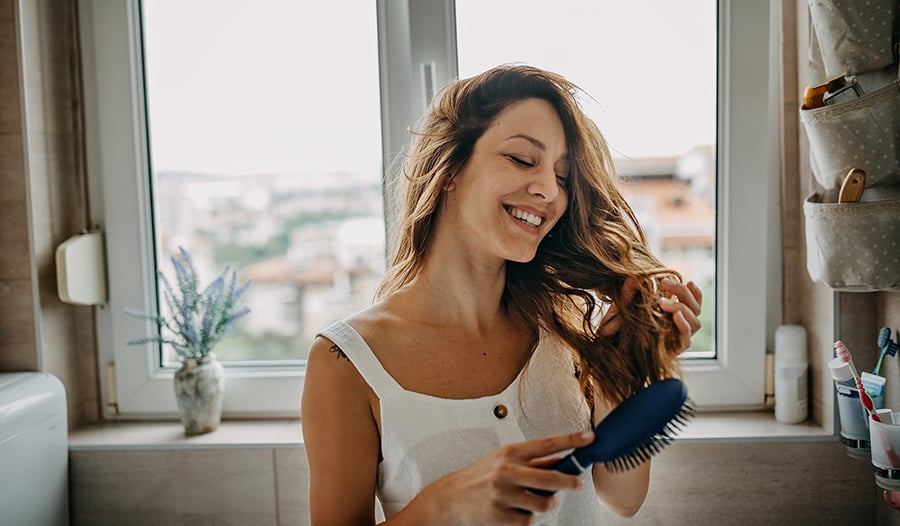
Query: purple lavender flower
[[196, 319]]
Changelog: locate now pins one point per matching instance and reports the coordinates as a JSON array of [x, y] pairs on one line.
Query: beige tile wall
[[803, 302], [44, 199], [802, 483], [239, 487], [18, 346], [796, 483]]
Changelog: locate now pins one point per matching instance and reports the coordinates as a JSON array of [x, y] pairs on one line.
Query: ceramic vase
[[199, 390]]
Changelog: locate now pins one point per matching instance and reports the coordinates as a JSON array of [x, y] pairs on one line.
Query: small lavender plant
[[197, 320]]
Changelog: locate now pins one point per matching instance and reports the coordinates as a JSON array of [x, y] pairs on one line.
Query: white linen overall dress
[[425, 437]]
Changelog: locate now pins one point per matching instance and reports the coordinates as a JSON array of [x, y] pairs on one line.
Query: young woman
[[522, 304]]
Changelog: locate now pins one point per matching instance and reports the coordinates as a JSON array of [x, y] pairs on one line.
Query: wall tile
[[173, 487], [14, 260], [12, 166], [738, 484], [18, 348], [30, 66], [858, 327], [85, 350], [888, 308], [815, 311], [68, 196], [58, 197], [39, 190], [10, 110], [756, 484], [59, 333], [49, 64], [57, 58], [47, 37], [15, 256], [293, 486]]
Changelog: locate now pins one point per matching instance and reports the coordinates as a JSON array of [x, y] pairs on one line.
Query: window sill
[[704, 427], [755, 426], [231, 434]]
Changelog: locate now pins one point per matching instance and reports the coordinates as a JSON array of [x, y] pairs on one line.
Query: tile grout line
[[275, 478]]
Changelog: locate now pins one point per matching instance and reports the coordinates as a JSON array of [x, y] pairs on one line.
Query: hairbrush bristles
[[635, 430], [656, 443]]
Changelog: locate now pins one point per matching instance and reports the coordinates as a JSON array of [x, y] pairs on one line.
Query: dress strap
[[362, 357]]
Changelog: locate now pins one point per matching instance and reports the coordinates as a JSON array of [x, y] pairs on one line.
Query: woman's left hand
[[684, 306]]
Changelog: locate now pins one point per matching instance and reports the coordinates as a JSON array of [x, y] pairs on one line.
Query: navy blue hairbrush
[[637, 429]]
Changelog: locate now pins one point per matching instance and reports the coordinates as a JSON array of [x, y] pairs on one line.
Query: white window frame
[[416, 38], [748, 248]]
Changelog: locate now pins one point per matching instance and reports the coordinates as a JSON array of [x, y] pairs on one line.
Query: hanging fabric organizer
[[854, 246]]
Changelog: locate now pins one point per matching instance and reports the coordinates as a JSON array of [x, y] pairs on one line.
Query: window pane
[[650, 69], [265, 141]]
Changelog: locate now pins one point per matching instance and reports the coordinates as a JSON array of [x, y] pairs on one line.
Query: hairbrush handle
[[630, 434], [568, 464]]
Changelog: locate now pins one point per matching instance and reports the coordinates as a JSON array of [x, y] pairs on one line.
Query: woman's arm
[[623, 492], [340, 437]]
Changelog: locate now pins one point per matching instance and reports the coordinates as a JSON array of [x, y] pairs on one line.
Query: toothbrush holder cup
[[854, 421], [885, 444]]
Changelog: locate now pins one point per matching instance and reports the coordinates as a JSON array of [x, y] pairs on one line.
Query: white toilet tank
[[34, 455]]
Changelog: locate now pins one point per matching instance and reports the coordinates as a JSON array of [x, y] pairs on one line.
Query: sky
[[285, 86]]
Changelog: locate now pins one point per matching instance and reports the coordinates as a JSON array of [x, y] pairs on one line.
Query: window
[[268, 157], [254, 133]]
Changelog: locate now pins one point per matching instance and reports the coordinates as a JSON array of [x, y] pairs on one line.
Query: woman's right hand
[[494, 490]]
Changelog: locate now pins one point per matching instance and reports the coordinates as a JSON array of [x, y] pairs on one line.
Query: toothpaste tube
[[873, 383]]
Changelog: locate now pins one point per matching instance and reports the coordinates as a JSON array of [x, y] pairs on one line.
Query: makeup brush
[[637, 429]]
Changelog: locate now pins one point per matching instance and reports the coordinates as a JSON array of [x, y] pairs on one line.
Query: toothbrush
[[844, 354], [887, 347]]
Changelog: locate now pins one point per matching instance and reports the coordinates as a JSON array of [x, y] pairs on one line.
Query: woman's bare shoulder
[[378, 324], [329, 369], [327, 359]]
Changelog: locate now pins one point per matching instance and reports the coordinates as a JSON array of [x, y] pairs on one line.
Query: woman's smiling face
[[512, 190]]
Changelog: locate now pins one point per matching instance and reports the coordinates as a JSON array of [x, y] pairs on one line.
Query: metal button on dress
[[501, 411]]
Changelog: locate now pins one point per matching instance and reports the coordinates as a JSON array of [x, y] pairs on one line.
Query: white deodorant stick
[[791, 394]]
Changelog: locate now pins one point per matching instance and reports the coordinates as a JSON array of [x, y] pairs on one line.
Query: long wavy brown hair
[[582, 266]]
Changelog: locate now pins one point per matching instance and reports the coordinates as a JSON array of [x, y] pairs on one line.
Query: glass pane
[[650, 70], [265, 151]]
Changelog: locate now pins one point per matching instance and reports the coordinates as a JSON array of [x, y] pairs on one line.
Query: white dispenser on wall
[[791, 371]]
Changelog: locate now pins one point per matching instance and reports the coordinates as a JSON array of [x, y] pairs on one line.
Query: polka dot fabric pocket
[[854, 37], [854, 247], [861, 133]]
